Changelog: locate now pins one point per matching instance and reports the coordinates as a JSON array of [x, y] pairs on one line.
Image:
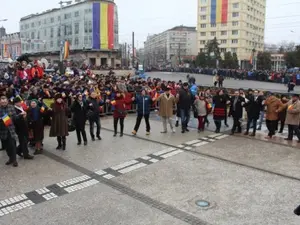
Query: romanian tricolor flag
[[219, 11], [66, 49], [42, 109], [113, 102], [103, 25], [6, 120]]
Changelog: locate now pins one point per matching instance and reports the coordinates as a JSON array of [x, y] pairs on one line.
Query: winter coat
[[273, 104], [11, 112], [166, 105], [79, 114], [120, 109], [185, 99], [143, 104], [21, 124], [94, 108], [254, 107], [237, 111], [292, 113], [199, 104], [219, 102], [59, 123], [36, 126]]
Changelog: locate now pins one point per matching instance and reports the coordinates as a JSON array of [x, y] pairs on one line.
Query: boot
[[64, 143], [59, 146], [177, 123]]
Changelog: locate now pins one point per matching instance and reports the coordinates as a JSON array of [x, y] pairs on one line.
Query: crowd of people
[[67, 102]]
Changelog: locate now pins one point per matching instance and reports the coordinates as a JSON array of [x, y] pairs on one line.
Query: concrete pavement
[[154, 180], [206, 80]]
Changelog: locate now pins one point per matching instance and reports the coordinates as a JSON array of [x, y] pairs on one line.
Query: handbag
[[71, 125]]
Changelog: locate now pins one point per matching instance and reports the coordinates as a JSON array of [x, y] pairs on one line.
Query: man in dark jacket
[[7, 129], [21, 130], [185, 102], [143, 102], [94, 115], [253, 104], [236, 111], [79, 110]]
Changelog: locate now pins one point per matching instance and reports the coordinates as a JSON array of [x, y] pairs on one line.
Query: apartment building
[[238, 25]]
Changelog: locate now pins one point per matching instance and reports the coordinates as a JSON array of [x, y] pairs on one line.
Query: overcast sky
[[149, 17]]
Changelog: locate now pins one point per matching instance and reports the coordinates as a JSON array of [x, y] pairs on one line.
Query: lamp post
[[1, 50], [61, 36]]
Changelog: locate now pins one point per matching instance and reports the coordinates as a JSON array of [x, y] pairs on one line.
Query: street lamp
[[61, 32]]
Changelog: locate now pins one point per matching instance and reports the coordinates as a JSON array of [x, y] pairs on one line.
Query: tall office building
[[238, 25]]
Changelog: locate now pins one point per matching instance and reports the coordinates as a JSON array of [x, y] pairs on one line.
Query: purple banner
[[96, 25]]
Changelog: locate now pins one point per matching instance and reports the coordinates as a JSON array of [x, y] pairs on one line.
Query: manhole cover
[[202, 203]]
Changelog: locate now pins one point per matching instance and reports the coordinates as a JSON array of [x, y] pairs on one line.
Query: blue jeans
[[261, 119], [185, 118]]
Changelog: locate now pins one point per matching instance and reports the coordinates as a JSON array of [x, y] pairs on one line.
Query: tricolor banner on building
[[103, 25], [219, 11]]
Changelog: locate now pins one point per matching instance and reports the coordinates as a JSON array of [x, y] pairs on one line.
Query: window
[[90, 27], [58, 43], [32, 46], [58, 32], [38, 35], [32, 35], [203, 1], [51, 32], [213, 33], [86, 26], [235, 5], [203, 17], [39, 23], [236, 23], [76, 43], [224, 24], [203, 25], [235, 14], [202, 42], [32, 24], [86, 40], [51, 44], [233, 50], [202, 34], [67, 16], [22, 27], [58, 18], [235, 32], [213, 25], [234, 41], [76, 28], [202, 9], [52, 20], [76, 14], [222, 49], [223, 32], [223, 41], [45, 21]]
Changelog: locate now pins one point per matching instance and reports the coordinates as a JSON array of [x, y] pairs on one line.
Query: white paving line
[[188, 148], [171, 154], [154, 160], [131, 168], [180, 146], [221, 137], [42, 191], [201, 144], [192, 142], [109, 176], [100, 172], [204, 138], [80, 186], [73, 181], [164, 151], [214, 135], [50, 196], [16, 207], [146, 157], [125, 164]]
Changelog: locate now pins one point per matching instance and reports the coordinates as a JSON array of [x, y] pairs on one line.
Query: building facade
[[278, 62], [238, 25], [90, 27], [10, 46], [179, 42]]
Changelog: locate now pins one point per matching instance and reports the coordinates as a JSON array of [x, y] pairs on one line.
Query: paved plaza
[[206, 80], [154, 180]]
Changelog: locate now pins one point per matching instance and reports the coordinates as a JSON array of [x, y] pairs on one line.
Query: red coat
[[120, 109], [22, 74], [29, 74], [128, 101]]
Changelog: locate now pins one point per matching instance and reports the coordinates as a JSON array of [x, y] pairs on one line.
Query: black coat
[[185, 99], [237, 111], [79, 114], [21, 124], [254, 107]]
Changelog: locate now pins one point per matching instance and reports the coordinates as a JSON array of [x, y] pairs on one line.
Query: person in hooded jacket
[[119, 113]]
